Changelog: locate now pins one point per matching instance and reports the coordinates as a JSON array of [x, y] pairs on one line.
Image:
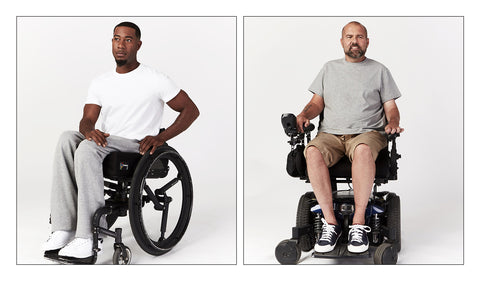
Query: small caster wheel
[[122, 255], [288, 252], [386, 253]]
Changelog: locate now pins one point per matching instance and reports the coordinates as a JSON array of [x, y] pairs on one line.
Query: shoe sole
[[51, 255], [357, 249], [323, 249]]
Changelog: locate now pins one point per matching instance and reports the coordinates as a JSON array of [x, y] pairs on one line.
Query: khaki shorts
[[334, 147]]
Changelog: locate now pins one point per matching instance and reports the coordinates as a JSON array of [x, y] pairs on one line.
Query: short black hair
[[131, 25]]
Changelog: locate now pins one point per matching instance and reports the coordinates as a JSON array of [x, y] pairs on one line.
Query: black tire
[[386, 253], [163, 176], [306, 218], [288, 252], [393, 220]]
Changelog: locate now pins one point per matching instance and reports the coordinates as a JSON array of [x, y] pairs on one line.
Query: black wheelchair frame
[[138, 185], [382, 214]]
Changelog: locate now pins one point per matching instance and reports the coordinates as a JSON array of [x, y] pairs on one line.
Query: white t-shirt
[[132, 103]]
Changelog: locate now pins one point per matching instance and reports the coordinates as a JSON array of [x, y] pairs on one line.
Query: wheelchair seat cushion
[[120, 165], [343, 169]]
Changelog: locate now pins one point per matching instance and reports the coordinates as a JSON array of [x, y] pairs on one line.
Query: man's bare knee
[[313, 154], [362, 151]]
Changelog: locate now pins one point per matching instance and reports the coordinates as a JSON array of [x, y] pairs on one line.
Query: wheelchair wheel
[[393, 220], [160, 200], [386, 253], [288, 252], [306, 218], [122, 255]]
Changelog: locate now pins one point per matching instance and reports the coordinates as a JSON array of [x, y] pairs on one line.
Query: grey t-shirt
[[354, 94]]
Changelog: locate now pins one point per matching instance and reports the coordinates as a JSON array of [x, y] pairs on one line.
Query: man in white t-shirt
[[130, 102], [357, 98]]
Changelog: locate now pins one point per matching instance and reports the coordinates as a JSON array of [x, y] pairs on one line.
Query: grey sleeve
[[389, 89], [317, 85]]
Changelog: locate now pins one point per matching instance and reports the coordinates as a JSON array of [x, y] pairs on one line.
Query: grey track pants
[[78, 185]]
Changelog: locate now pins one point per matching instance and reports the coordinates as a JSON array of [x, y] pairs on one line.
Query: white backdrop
[[57, 57], [282, 56]]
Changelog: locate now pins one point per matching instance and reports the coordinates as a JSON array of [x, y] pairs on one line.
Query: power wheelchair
[[382, 213], [157, 192]]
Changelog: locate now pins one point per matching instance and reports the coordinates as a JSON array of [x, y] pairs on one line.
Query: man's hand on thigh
[[99, 137]]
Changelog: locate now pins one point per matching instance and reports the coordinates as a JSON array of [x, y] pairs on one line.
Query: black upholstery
[[120, 165]]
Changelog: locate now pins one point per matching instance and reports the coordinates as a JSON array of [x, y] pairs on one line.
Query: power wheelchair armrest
[[296, 164], [394, 156], [289, 123]]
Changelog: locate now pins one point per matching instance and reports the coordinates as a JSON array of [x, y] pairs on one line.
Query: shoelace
[[356, 232], [327, 230]]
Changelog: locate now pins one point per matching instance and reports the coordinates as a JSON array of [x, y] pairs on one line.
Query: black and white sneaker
[[329, 237], [358, 239]]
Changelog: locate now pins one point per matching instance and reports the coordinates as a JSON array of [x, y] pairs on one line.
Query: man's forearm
[[86, 126], [181, 123], [393, 116], [310, 111]]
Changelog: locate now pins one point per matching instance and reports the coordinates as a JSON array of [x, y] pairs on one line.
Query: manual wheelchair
[[157, 193], [382, 214]]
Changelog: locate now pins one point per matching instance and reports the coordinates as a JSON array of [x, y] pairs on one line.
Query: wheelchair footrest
[[341, 251], [88, 260], [53, 256]]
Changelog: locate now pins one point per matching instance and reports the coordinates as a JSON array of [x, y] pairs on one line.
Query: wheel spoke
[[152, 197], [167, 186], [163, 227]]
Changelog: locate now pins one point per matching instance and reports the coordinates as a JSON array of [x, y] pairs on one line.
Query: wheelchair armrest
[[394, 156], [392, 137], [289, 123]]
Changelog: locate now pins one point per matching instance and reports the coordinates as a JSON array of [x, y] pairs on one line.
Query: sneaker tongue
[[357, 234]]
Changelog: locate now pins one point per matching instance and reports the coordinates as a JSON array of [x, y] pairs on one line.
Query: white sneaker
[[58, 239], [79, 248]]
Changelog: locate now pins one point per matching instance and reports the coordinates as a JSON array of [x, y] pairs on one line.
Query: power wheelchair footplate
[[341, 251]]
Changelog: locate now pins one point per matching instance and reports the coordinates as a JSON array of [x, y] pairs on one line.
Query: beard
[[355, 54], [121, 62]]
